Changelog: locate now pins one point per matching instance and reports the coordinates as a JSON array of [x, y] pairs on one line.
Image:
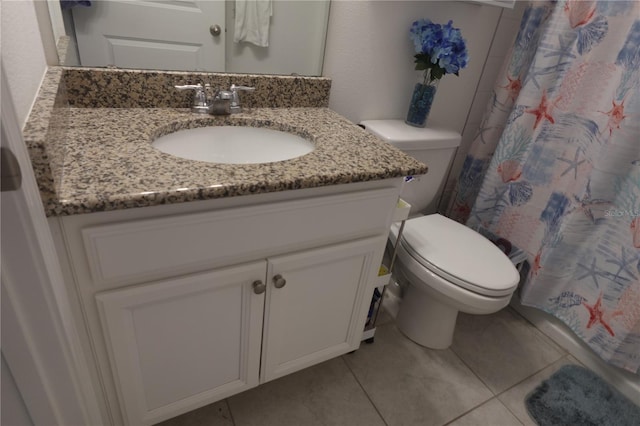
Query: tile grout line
[[233, 421], [523, 380], [495, 396], [563, 354], [471, 369], [364, 390], [533, 374], [468, 411], [509, 410], [548, 339], [511, 387], [480, 405]]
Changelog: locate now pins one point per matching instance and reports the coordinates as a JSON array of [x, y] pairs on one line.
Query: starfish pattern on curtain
[[555, 168]]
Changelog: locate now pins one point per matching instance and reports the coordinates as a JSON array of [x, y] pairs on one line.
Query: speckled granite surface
[[112, 88], [99, 159], [45, 135]]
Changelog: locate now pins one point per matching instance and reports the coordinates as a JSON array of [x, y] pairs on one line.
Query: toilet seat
[[459, 255]]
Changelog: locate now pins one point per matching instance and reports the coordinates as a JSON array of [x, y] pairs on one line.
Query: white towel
[[252, 21]]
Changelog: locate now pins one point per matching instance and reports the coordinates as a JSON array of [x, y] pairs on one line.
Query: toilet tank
[[434, 147]]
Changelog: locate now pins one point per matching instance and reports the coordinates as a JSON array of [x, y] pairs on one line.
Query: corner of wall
[[23, 57], [505, 31]]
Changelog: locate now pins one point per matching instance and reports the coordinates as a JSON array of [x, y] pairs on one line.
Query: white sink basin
[[233, 145]]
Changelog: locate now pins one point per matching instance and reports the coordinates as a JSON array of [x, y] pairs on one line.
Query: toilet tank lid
[[403, 136]]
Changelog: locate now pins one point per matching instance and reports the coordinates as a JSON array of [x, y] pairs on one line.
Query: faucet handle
[[190, 86], [235, 99], [199, 88], [245, 88], [200, 103]]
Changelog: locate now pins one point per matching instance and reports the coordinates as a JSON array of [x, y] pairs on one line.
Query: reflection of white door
[[170, 35]]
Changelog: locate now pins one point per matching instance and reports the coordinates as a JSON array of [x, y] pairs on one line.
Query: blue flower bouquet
[[440, 50]]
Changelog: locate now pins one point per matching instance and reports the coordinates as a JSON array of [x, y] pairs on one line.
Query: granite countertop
[[107, 162]]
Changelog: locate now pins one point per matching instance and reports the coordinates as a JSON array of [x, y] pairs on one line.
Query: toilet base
[[425, 320]]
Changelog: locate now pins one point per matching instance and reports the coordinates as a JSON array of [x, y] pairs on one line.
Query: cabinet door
[[320, 311], [179, 344]]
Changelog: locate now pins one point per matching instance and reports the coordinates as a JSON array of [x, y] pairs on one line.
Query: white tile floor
[[482, 380]]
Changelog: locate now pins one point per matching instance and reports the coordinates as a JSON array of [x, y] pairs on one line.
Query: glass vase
[[421, 100]]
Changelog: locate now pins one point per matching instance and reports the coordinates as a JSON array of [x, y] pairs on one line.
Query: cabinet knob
[[259, 287], [278, 281]]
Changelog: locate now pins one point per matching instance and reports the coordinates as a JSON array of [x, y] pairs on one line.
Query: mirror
[[272, 36]]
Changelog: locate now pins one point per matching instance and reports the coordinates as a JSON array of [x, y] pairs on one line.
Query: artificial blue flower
[[440, 49]]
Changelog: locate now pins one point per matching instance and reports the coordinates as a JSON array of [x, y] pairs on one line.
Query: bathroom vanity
[[193, 281]]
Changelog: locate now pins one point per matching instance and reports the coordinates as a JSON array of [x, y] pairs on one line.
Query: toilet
[[442, 266]]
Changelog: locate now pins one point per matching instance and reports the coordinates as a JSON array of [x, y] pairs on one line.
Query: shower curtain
[[555, 168]]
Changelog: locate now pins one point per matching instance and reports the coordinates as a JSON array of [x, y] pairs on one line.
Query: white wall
[[23, 55], [506, 32], [369, 57]]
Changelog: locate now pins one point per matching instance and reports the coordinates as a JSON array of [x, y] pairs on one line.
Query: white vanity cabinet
[[318, 313], [178, 344], [184, 305]]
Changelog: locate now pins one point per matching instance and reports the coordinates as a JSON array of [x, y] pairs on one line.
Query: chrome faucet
[[221, 103], [200, 103], [235, 98]]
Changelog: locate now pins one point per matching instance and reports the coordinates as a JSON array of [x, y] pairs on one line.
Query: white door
[[41, 353], [319, 312], [167, 35], [180, 344]]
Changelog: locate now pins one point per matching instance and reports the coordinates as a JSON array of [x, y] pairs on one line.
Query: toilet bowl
[[443, 266], [448, 268]]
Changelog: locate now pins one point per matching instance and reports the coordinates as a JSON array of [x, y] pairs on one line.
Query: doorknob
[[11, 174], [215, 30]]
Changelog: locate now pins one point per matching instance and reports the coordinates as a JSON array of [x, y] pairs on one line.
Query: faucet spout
[[221, 103]]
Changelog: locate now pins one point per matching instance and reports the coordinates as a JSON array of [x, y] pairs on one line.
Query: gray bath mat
[[574, 395]]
